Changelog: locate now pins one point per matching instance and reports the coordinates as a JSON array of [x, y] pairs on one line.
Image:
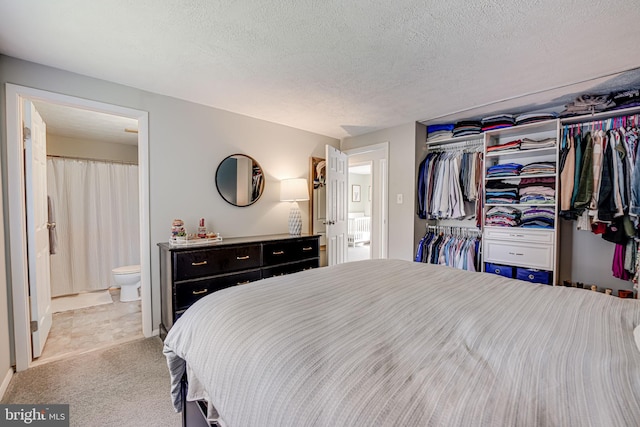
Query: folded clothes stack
[[523, 119], [500, 192], [537, 190], [497, 122], [530, 144], [439, 132], [503, 216], [538, 168], [467, 127], [586, 104], [505, 169], [626, 99], [537, 217], [511, 145]]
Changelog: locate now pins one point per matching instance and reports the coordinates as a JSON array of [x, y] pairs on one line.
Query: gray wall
[[187, 141], [402, 146]]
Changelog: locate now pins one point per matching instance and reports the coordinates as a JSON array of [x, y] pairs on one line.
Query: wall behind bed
[[187, 141]]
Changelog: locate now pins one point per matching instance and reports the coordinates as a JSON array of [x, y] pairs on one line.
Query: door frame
[[16, 227], [378, 154]]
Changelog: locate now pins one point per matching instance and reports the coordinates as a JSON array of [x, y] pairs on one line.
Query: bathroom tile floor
[[90, 328]]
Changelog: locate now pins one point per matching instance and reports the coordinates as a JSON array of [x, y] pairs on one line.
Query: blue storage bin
[[534, 276], [501, 270]]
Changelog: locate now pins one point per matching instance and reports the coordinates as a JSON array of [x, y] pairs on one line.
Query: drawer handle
[[516, 235], [242, 257], [204, 291], [307, 249], [243, 283], [199, 263], [278, 253], [515, 253]]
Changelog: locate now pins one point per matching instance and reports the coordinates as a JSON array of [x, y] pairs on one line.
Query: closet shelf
[[538, 175], [522, 153]]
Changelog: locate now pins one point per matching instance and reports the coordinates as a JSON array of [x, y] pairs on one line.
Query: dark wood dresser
[[187, 273]]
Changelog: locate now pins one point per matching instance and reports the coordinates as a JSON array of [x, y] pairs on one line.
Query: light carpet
[[83, 300], [126, 385]]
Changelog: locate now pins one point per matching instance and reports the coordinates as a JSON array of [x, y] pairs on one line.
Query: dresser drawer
[[516, 234], [211, 261], [295, 267], [282, 252], [523, 254], [189, 292]]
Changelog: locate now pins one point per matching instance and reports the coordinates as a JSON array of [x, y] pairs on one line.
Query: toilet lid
[[127, 269]]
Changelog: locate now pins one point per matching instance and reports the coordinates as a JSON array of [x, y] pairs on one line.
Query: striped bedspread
[[397, 343]]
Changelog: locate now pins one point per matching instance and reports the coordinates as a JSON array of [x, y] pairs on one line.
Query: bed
[[358, 228], [397, 343]]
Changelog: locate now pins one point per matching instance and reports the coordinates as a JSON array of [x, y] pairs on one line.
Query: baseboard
[[5, 382]]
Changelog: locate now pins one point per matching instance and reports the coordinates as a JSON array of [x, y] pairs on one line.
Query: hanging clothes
[[600, 185], [461, 251], [446, 180]]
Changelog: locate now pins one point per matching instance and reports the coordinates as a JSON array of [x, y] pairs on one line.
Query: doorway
[[359, 216], [372, 161], [17, 213]]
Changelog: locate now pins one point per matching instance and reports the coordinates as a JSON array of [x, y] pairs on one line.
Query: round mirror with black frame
[[240, 180]]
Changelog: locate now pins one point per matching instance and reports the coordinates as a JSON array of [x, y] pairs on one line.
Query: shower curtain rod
[[92, 160]]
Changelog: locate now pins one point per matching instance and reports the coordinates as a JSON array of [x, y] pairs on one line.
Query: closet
[[540, 193]]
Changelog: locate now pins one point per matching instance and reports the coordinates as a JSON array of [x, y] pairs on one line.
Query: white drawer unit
[[522, 254], [516, 234]]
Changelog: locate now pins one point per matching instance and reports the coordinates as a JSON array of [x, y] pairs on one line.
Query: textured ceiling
[[336, 68]]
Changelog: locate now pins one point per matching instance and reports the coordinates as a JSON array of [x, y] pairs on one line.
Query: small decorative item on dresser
[[177, 228], [625, 293], [608, 291], [202, 230]]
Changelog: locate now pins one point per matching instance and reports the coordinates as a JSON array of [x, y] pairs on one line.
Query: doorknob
[[329, 222]]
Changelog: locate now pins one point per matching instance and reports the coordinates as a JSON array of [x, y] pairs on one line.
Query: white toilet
[[128, 277]]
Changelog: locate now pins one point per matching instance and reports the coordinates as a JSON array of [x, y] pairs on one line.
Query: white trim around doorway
[[379, 155], [15, 227]]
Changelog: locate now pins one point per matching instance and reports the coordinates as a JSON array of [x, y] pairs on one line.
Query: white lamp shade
[[293, 190]]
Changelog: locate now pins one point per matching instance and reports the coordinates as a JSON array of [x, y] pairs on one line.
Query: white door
[[34, 136], [336, 185]]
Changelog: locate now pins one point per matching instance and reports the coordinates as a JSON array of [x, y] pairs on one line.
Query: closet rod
[[92, 160], [454, 146]]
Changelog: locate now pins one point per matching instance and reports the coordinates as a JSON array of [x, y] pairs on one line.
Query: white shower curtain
[[96, 215]]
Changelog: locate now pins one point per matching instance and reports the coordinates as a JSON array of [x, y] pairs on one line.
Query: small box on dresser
[[188, 273]]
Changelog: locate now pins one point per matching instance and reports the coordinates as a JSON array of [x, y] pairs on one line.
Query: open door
[[35, 142], [337, 173]]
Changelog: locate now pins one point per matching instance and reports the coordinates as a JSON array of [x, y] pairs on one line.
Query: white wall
[[187, 141], [364, 181], [90, 149], [402, 145]]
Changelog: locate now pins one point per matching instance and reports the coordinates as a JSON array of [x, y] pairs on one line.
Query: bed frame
[[194, 413]]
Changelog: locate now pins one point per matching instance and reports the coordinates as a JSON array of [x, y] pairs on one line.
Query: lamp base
[[295, 220]]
